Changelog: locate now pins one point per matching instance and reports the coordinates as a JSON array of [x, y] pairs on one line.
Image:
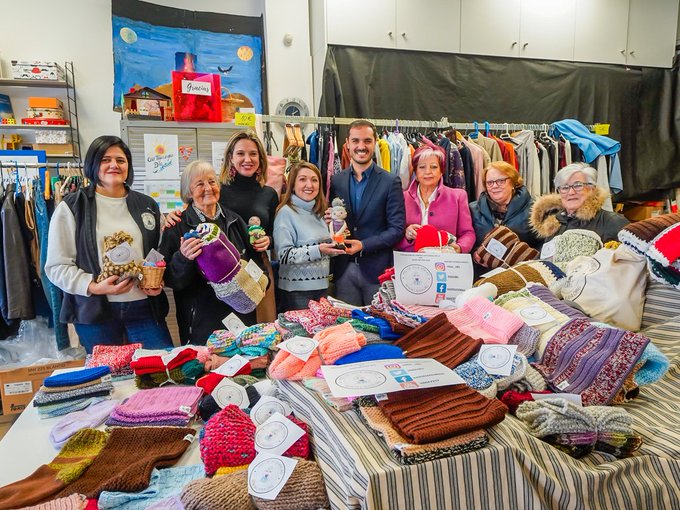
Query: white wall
[[80, 30]]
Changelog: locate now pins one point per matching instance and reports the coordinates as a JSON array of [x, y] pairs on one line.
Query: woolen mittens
[[304, 490]]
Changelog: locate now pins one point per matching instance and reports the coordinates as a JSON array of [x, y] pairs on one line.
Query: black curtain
[[641, 104]]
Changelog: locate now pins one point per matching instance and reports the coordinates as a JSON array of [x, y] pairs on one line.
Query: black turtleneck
[[247, 198]]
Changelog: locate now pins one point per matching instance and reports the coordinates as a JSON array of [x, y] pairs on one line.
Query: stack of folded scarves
[[180, 366], [116, 357], [317, 316], [167, 406], [579, 430], [72, 391]]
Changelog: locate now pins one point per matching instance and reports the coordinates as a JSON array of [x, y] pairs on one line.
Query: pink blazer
[[448, 211]]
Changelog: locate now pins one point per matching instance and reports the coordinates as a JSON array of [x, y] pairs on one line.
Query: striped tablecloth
[[516, 470]]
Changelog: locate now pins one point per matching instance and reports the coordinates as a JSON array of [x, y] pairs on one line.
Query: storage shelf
[[32, 126], [54, 84]]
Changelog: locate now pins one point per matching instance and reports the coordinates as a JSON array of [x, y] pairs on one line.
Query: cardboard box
[[45, 102], [644, 211], [36, 70], [46, 113], [18, 385], [54, 149]]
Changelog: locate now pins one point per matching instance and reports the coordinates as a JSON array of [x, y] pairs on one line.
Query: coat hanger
[[487, 130], [475, 133]]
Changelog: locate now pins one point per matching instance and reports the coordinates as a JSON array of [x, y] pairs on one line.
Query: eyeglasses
[[201, 185], [577, 187], [497, 182]]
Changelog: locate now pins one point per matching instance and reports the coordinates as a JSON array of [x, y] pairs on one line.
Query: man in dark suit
[[376, 217]]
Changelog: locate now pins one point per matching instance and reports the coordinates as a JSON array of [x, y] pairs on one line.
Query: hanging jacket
[[94, 309], [16, 260]]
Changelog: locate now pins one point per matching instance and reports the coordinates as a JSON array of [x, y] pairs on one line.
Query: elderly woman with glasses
[[504, 201], [577, 204], [199, 311]]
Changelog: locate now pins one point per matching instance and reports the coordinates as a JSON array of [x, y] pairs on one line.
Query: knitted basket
[[151, 277]]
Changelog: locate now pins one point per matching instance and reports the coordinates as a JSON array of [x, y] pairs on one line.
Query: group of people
[[380, 218]]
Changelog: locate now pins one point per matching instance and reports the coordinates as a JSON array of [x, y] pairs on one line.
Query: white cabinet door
[[428, 25], [601, 31], [369, 23], [490, 27], [547, 29], [652, 27]]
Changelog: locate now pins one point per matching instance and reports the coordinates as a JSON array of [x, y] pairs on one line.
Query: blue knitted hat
[[77, 376], [655, 365], [477, 378], [372, 352]]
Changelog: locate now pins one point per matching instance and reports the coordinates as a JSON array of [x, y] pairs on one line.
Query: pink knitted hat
[[229, 440], [334, 343], [160, 403], [480, 318]]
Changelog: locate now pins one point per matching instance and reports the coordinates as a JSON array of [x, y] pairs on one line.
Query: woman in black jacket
[[199, 311], [111, 311]]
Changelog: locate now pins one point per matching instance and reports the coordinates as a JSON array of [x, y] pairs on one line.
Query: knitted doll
[[119, 257], [338, 226], [255, 230]]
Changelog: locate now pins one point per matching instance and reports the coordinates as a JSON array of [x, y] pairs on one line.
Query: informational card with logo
[[299, 346], [266, 407], [534, 315], [233, 323], [276, 435], [387, 376], [228, 392], [231, 367], [161, 156], [497, 359], [268, 474], [428, 278]]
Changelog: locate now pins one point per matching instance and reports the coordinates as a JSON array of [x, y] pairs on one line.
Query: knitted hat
[[187, 373], [429, 237], [90, 417], [130, 454], [258, 339], [591, 361], [440, 413], [515, 250], [334, 343], [304, 490], [640, 234], [573, 243], [439, 339], [155, 363], [229, 440], [230, 491], [513, 398], [76, 376], [665, 248], [168, 402], [219, 258], [476, 378], [525, 338], [654, 365], [116, 357], [210, 380], [480, 318], [74, 458], [242, 292], [486, 290], [372, 353]]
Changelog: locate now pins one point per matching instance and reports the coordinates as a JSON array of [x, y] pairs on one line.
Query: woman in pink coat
[[429, 202]]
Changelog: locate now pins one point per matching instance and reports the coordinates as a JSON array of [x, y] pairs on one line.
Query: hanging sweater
[[297, 234]]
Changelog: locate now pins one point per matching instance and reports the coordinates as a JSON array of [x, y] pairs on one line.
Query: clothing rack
[[11, 166], [443, 123]]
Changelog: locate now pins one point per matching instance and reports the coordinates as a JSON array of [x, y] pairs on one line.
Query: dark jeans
[[131, 322], [298, 299], [353, 288]]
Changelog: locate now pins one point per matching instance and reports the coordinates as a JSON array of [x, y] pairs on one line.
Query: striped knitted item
[[98, 390], [59, 389], [64, 408], [515, 250], [480, 318], [409, 453], [187, 373], [151, 364], [48, 480], [549, 298], [640, 234], [441, 413], [591, 361], [525, 338], [665, 248], [439, 339], [512, 279]]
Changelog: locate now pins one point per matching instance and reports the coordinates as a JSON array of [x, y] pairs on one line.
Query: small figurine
[[255, 231], [338, 227]]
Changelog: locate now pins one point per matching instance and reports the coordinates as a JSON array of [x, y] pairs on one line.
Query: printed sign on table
[[428, 278], [386, 376]]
